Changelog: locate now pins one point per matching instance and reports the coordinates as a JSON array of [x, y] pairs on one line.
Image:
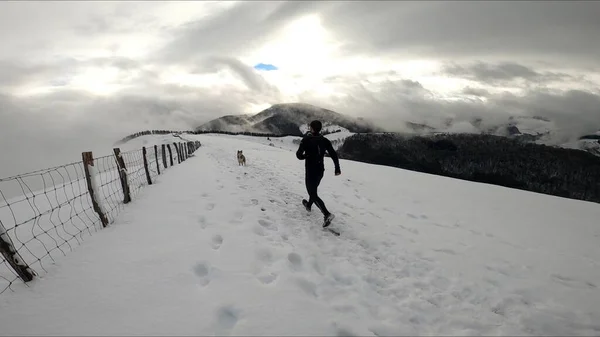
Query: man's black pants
[[313, 179]]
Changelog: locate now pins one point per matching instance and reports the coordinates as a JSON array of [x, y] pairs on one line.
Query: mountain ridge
[[287, 118]]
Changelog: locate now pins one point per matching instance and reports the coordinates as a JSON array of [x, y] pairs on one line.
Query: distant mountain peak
[[287, 119]]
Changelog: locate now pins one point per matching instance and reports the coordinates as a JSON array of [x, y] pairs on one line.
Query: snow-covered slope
[[216, 249], [289, 143]]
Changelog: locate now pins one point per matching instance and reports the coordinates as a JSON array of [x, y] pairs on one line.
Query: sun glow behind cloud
[[307, 56], [97, 80]]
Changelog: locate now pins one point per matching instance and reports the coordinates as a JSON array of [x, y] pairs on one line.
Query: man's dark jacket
[[312, 149]]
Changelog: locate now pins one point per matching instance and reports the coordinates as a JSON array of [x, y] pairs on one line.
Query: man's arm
[[333, 155], [300, 153]]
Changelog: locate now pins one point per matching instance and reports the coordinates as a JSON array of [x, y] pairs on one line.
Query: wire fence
[[47, 213]]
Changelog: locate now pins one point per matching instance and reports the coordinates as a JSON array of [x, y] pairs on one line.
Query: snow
[[213, 248]]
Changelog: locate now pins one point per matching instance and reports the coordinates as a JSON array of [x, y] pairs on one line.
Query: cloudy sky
[[80, 75]]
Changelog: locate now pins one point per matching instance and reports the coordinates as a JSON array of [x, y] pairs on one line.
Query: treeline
[[148, 132], [243, 133], [484, 158]]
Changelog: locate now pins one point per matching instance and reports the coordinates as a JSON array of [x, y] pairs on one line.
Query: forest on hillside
[[484, 158]]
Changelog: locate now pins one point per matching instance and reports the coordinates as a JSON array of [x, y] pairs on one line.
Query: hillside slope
[[217, 249]]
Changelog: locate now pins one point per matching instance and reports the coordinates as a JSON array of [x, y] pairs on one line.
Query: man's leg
[[313, 180]]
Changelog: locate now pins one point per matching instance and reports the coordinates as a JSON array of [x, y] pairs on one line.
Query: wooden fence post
[[170, 153], [144, 152], [123, 176], [185, 155], [88, 160], [12, 256], [156, 158], [164, 155], [178, 154]]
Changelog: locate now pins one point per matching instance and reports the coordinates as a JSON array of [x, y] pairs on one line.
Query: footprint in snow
[[267, 278], [412, 230], [267, 224], [310, 288], [295, 261], [446, 251], [210, 207], [264, 255], [217, 241], [202, 270], [572, 283], [411, 216], [202, 222], [259, 230], [227, 318]]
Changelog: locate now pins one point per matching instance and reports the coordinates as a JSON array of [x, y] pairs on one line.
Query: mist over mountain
[[288, 119], [292, 118]]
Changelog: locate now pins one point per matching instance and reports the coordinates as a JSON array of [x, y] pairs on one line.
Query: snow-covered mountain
[[536, 129], [217, 249], [288, 119]]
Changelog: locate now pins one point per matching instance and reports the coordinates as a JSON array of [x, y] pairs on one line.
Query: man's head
[[315, 127]]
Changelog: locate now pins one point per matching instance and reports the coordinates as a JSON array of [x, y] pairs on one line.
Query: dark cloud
[[558, 30], [501, 72], [475, 92]]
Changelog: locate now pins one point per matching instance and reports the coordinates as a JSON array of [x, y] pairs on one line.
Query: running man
[[312, 150]]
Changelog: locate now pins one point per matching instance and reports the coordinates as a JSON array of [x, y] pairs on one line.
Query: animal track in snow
[[210, 206]]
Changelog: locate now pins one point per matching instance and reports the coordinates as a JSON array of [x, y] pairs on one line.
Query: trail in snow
[[214, 248]]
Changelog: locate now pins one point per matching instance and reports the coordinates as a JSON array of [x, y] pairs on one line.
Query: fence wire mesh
[[47, 213]]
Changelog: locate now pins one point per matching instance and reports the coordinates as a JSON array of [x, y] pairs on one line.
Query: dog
[[241, 158]]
